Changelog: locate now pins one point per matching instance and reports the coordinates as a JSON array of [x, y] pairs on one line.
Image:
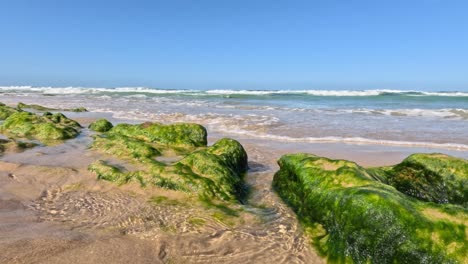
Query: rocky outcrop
[[101, 125], [44, 108], [353, 216], [433, 177], [42, 127], [173, 157]]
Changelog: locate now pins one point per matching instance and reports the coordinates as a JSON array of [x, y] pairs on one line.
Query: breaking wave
[[146, 90]]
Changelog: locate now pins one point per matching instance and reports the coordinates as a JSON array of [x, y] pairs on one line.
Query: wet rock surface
[[42, 127], [210, 172], [101, 125], [429, 177], [354, 217]]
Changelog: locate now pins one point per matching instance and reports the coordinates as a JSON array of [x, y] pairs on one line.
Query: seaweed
[[46, 127], [100, 125], [182, 134], [432, 177], [37, 107], [353, 216], [209, 172], [6, 111]]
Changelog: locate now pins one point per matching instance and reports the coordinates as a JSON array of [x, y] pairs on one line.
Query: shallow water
[[375, 117]]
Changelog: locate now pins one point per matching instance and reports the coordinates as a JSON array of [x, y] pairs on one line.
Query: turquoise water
[[430, 119]]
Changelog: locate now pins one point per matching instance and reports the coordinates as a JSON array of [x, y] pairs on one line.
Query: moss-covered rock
[[34, 106], [126, 148], [6, 111], [209, 172], [353, 217], [46, 127], [78, 109], [101, 125], [182, 134], [429, 177], [44, 108]]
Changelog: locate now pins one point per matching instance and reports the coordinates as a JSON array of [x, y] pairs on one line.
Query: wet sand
[[53, 210]]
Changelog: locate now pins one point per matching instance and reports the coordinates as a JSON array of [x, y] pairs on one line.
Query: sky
[[254, 44]]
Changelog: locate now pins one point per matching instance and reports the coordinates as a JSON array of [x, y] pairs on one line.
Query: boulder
[[352, 216]]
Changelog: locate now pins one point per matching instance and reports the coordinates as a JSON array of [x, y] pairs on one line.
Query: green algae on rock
[[209, 172], [44, 108], [46, 127], [429, 177], [6, 111], [353, 217], [100, 125], [181, 134]]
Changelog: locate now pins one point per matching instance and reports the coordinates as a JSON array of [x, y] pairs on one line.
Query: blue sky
[[236, 44]]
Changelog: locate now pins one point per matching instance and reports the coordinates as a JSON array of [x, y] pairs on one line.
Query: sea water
[[427, 119]]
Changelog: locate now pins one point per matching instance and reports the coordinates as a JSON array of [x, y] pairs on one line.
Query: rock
[[209, 172], [78, 109], [182, 134], [354, 217], [43, 108], [100, 125], [433, 177], [46, 127], [6, 111], [35, 107]]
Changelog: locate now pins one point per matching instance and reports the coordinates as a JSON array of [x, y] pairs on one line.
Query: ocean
[[424, 119]]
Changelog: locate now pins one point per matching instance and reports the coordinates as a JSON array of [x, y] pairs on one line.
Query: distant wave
[[146, 90]]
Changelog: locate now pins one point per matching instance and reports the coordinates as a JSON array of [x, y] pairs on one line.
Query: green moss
[[429, 177], [210, 172], [163, 200], [46, 127], [108, 172], [124, 147], [101, 125], [78, 109], [44, 108], [192, 135], [35, 107], [6, 111], [356, 218], [197, 222]]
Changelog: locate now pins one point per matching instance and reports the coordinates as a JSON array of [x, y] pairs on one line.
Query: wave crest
[[147, 90]]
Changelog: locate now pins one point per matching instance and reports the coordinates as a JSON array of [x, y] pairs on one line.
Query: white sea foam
[[91, 90], [308, 92], [354, 141], [254, 126], [416, 112], [455, 113]]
